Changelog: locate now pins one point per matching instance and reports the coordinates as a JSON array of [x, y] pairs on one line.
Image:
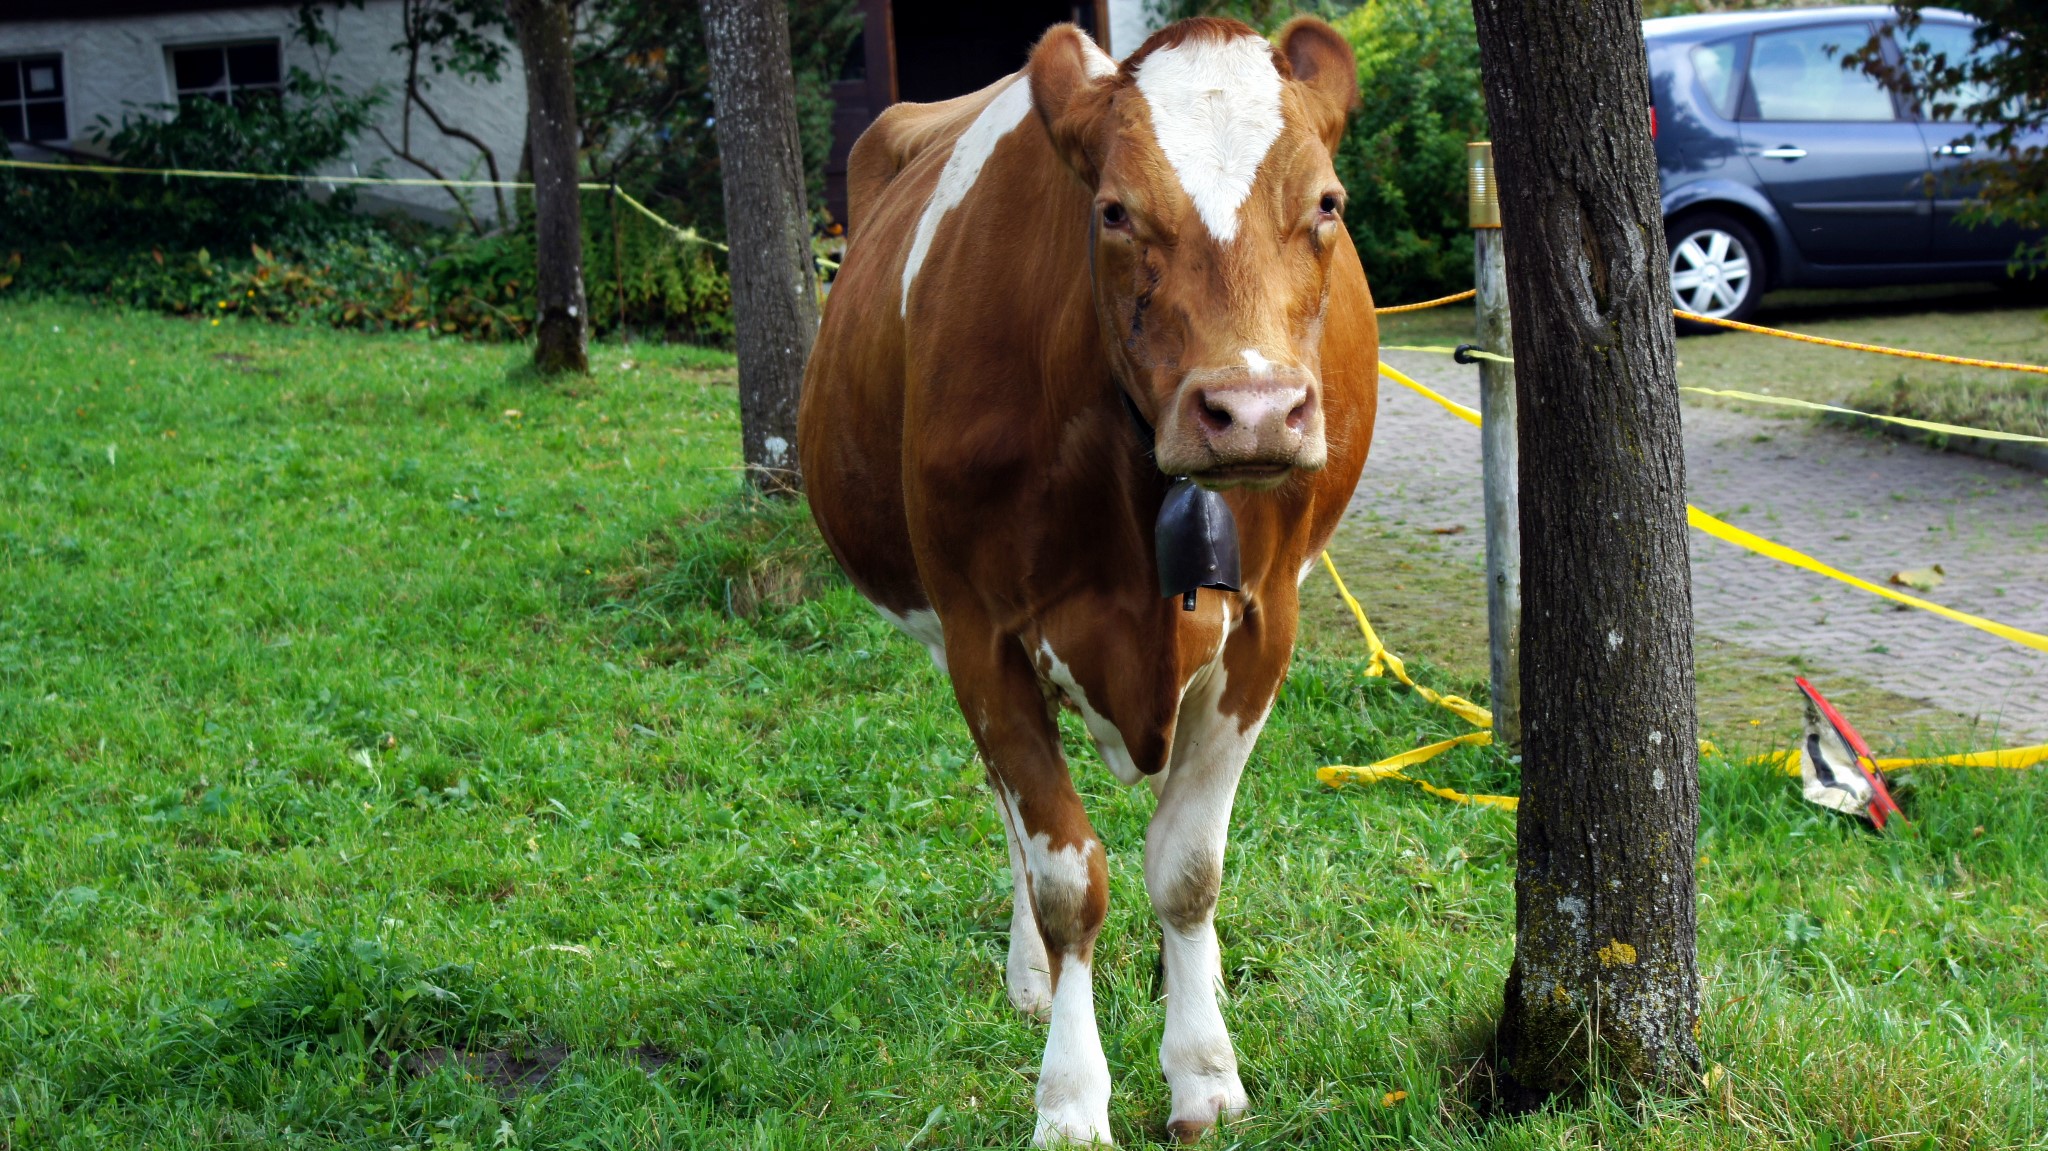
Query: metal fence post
[[1497, 448]]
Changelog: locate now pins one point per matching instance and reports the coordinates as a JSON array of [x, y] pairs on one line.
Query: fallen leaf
[[1452, 530], [1920, 579]]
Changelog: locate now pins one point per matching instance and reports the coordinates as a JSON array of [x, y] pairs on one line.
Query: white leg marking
[[963, 167], [1308, 565], [1109, 741], [1215, 112], [1028, 975], [922, 625], [1073, 1085], [1073, 1082], [1184, 848]]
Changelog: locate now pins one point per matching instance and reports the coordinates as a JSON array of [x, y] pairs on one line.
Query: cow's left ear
[[1321, 60], [1070, 86]]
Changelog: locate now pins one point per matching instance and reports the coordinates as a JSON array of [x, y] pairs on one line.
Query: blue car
[[1782, 169]]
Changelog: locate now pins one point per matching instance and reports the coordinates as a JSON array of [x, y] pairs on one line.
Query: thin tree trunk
[[774, 285], [563, 323], [1605, 977]]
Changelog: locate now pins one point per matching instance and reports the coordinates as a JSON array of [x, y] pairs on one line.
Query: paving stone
[[1864, 504]]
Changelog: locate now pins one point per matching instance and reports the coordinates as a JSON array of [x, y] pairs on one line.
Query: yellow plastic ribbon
[[1384, 661], [1440, 350], [2011, 758], [1469, 415], [1749, 541], [687, 235], [1851, 345], [1339, 774], [1453, 298], [1923, 425], [1722, 530]]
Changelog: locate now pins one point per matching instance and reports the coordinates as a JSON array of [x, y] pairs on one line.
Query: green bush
[[394, 275], [1403, 159]]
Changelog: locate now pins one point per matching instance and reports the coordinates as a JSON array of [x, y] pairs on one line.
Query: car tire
[[1718, 268]]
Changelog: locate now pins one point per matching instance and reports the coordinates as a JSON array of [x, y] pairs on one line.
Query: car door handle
[[1954, 150], [1783, 152]]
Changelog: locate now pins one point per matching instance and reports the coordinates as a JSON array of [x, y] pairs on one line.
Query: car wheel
[[1717, 268]]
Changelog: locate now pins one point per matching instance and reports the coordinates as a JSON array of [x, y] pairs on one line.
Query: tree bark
[[562, 326], [1605, 976], [774, 284]]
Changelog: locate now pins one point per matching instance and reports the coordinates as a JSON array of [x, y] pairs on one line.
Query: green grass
[[1967, 320], [381, 768]]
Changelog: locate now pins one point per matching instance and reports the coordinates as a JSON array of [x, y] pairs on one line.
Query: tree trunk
[[1605, 976], [563, 324], [774, 285]]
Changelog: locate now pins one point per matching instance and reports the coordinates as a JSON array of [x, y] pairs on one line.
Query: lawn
[[397, 751]]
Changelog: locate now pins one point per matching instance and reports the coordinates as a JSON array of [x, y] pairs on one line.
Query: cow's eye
[[1329, 204], [1114, 216]]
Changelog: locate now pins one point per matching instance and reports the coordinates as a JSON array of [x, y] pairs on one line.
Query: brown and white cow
[[1064, 291]]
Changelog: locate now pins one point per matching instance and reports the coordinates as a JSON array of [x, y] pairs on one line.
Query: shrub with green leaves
[[1403, 158]]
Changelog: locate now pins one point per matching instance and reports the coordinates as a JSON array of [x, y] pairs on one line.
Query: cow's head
[[1216, 213]]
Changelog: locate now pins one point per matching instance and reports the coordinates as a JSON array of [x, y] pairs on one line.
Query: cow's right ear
[[1071, 87]]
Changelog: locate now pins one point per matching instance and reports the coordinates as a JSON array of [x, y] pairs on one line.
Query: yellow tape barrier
[[1729, 533], [1786, 401], [2011, 758], [1440, 301], [1439, 349], [1923, 425], [687, 235], [1469, 415], [1722, 530], [1880, 349], [1384, 661]]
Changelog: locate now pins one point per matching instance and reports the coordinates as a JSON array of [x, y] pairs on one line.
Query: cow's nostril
[[1299, 416], [1214, 416]]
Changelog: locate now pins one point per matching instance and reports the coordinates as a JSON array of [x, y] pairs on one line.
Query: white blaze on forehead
[[970, 154], [1215, 112]]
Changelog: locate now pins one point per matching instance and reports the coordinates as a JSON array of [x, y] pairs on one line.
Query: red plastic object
[[1881, 806]]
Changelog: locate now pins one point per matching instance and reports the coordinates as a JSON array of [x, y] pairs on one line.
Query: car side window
[[1956, 44], [1714, 65], [1797, 74]]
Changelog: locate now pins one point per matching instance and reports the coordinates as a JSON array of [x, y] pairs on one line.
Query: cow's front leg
[[1183, 871], [1064, 873]]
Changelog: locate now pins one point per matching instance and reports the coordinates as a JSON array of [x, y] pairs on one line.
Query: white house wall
[[1130, 21], [114, 66]]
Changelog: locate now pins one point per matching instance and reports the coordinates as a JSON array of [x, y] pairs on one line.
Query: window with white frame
[[32, 99], [227, 73]]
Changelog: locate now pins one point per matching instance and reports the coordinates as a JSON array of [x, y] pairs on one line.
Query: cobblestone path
[[1864, 504]]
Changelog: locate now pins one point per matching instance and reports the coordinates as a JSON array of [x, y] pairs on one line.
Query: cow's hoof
[[1033, 997], [1055, 1131], [1198, 1107]]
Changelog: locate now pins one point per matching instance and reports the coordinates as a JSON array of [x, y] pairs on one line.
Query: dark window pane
[[10, 123], [253, 64], [198, 69], [10, 80], [43, 78], [248, 97], [46, 120]]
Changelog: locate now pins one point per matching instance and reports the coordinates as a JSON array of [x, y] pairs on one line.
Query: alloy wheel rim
[[1710, 273]]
